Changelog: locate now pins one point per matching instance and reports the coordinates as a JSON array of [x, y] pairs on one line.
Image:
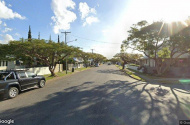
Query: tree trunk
[[52, 69], [123, 66]]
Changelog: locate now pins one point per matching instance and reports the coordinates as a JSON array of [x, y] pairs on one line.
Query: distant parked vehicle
[[96, 65], [109, 63], [14, 81]]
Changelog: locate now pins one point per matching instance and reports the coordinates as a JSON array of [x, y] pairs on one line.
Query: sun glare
[[157, 10], [174, 10]]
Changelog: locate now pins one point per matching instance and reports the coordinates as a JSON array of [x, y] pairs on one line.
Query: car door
[[33, 78], [24, 80]]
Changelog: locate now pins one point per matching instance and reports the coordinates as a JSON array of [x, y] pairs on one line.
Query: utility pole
[[39, 36], [92, 50], [92, 53], [66, 44]]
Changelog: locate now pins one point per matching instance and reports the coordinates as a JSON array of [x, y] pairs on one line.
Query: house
[[78, 62], [180, 66], [6, 65]]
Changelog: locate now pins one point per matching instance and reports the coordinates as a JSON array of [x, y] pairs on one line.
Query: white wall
[[3, 67], [134, 68], [40, 70], [45, 70]]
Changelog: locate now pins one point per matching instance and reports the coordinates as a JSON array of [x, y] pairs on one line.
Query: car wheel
[[13, 92], [42, 83]]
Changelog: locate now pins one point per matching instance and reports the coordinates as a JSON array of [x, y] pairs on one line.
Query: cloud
[[6, 39], [85, 10], [0, 22], [89, 20], [7, 30], [9, 5], [7, 13], [4, 24], [17, 34], [62, 14]]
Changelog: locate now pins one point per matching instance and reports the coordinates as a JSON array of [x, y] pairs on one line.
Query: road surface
[[99, 96]]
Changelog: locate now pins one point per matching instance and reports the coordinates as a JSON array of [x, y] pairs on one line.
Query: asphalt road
[[99, 96]]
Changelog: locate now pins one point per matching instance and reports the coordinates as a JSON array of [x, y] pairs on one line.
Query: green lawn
[[131, 73], [60, 74], [161, 81]]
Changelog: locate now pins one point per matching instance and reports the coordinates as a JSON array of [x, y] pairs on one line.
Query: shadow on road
[[111, 71], [113, 103]]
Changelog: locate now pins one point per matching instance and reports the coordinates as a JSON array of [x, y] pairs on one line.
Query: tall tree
[[127, 57], [47, 53], [58, 39], [85, 56], [98, 58], [29, 34], [152, 39]]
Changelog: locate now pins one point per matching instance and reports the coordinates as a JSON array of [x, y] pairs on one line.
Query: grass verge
[[131, 73], [60, 74], [156, 78]]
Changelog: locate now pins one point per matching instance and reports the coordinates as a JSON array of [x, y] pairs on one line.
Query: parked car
[[109, 63], [14, 81], [96, 65]]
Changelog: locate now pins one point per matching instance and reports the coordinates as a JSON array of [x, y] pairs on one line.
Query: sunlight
[[173, 10], [157, 10]]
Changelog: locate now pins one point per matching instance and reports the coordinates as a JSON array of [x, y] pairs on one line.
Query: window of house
[[6, 63]]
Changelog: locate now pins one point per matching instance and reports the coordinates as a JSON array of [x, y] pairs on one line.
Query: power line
[[94, 40]]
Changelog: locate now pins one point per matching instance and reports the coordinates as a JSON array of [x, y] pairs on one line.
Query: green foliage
[[98, 58], [159, 40], [47, 53], [164, 52], [29, 34], [85, 56], [115, 59]]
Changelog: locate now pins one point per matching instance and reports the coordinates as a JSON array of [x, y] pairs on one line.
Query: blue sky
[[96, 24]]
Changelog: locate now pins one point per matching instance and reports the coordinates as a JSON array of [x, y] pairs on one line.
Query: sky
[[101, 25]]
